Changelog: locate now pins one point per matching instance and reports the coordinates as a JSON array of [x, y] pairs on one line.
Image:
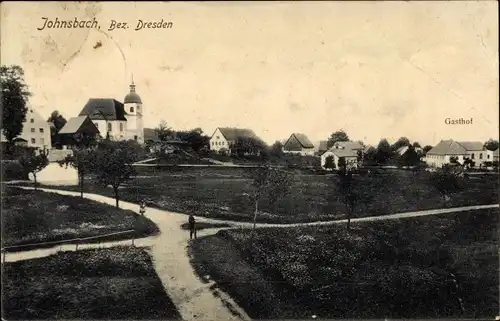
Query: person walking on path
[[192, 227], [142, 208]]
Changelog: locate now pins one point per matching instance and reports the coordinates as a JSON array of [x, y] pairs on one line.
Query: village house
[[35, 132], [224, 138], [298, 144], [492, 155], [78, 130], [116, 120], [447, 150], [347, 150]]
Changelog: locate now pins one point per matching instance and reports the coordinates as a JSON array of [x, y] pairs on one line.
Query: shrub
[[13, 170]]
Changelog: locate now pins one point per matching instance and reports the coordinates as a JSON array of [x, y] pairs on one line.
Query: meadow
[[443, 266]]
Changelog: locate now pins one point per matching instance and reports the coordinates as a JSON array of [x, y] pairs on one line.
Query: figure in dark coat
[[192, 227]]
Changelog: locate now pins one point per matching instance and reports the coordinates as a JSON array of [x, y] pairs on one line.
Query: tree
[[272, 183], [329, 163], [195, 138], [33, 163], [276, 149], [82, 160], [384, 151], [447, 180], [416, 145], [427, 148], [163, 131], [468, 163], [58, 122], [15, 96], [247, 145], [338, 136], [113, 163], [491, 144], [370, 157], [347, 189], [342, 164], [409, 158], [402, 141]]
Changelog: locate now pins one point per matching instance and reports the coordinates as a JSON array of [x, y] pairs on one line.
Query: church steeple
[[132, 96]]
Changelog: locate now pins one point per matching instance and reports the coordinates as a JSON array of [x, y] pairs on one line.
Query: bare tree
[[82, 160], [272, 183]]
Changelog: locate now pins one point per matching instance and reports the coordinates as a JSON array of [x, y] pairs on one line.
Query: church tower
[[133, 108]]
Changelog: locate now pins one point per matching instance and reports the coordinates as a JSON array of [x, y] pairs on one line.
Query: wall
[[115, 133]]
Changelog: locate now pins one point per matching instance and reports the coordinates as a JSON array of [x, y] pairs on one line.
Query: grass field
[[34, 216], [116, 283], [392, 269], [220, 193]]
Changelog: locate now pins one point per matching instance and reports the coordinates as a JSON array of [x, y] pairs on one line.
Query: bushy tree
[[113, 163], [384, 151], [276, 149], [163, 131], [491, 144], [83, 160], [15, 96], [409, 158], [370, 157], [348, 190], [58, 122], [338, 136], [33, 163], [416, 145], [426, 148], [447, 180], [330, 162], [195, 138], [402, 141], [271, 183], [247, 145]]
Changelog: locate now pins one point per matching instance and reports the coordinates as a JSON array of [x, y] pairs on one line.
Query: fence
[[76, 241]]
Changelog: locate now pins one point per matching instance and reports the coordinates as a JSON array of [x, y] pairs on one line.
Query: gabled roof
[[73, 125], [111, 108], [343, 152], [323, 145], [450, 147], [234, 133], [302, 139], [150, 134], [401, 150], [472, 146], [349, 145]]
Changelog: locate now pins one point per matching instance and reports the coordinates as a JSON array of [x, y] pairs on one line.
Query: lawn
[[221, 193], [388, 269], [115, 283], [35, 216]]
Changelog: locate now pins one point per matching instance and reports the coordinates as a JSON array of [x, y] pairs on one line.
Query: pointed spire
[[132, 86]]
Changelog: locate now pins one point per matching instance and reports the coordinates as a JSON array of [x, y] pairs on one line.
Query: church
[[116, 120]]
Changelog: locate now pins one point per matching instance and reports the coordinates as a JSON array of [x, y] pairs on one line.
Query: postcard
[[250, 160]]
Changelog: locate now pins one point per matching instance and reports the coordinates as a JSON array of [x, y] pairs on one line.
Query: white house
[[492, 155], [445, 150], [298, 144], [119, 121], [347, 150], [36, 131], [224, 137]]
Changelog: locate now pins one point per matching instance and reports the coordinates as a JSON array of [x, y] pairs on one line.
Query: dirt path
[[193, 298]]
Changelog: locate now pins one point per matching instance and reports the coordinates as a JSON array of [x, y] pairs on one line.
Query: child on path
[[192, 227]]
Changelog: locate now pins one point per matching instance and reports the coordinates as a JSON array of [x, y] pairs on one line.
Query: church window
[[121, 127], [131, 109], [109, 127]]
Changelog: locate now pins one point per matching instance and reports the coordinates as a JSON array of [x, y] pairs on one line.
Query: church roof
[[104, 109], [132, 96]]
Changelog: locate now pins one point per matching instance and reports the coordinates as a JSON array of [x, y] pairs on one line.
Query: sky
[[374, 69]]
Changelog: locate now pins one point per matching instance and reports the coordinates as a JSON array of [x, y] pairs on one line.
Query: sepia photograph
[[267, 160]]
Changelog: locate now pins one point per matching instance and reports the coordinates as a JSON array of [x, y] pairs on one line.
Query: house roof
[[73, 125], [349, 145], [150, 134], [111, 108], [234, 133], [401, 150], [323, 145], [470, 146], [451, 147], [302, 139], [343, 152]]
